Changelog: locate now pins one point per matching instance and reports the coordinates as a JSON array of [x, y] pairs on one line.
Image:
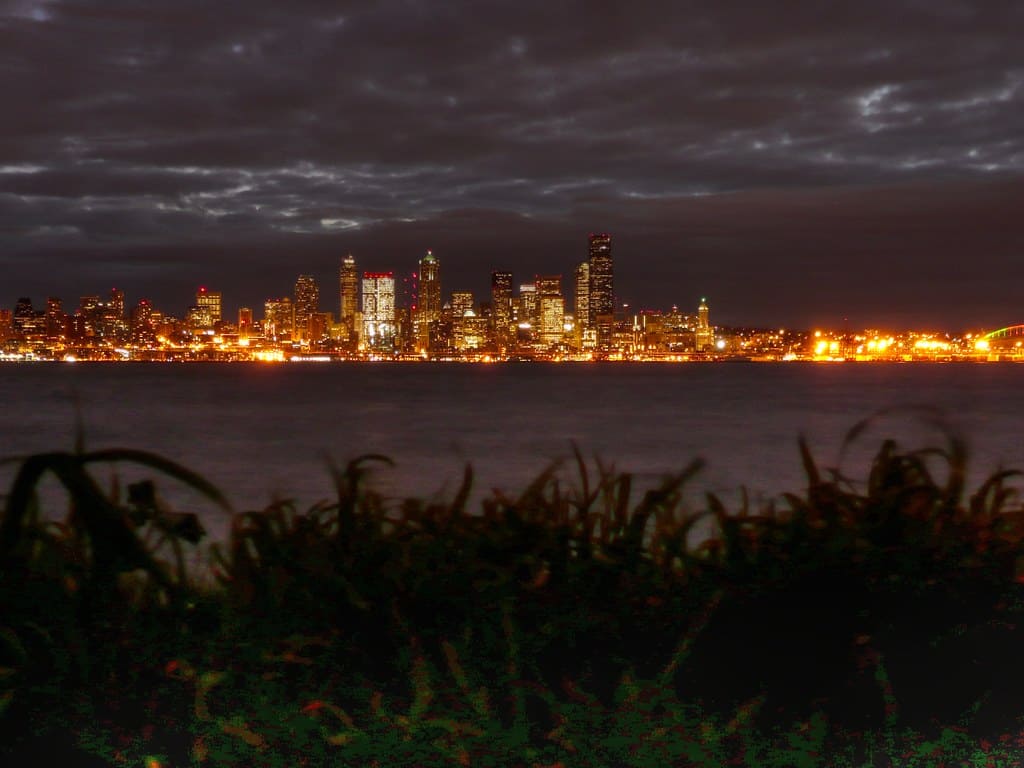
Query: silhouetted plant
[[584, 621]]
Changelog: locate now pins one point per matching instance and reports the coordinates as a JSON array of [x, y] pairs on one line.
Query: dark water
[[260, 431]]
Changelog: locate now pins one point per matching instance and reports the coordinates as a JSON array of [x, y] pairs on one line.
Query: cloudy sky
[[798, 162]]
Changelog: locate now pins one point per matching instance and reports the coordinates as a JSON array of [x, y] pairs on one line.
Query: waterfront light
[[268, 356]]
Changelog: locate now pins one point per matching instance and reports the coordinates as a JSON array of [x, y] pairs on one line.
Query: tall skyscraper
[[25, 317], [582, 305], [278, 319], [307, 303], [245, 322], [602, 289], [112, 317], [90, 316], [209, 306], [115, 305], [141, 323], [349, 306], [501, 308], [55, 318], [704, 337], [528, 304], [379, 310], [428, 306], [550, 309]]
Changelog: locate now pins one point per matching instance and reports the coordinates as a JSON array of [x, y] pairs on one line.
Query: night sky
[[799, 163]]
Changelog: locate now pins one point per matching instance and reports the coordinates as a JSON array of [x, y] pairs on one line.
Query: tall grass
[[580, 622]]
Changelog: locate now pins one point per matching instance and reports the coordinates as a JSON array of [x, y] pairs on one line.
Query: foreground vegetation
[[582, 623]]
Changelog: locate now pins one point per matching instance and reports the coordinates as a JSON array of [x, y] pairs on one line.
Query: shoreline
[[678, 360]]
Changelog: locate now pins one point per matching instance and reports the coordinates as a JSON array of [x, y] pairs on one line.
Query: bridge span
[[1009, 332]]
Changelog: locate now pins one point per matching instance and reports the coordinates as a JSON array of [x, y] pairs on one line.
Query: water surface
[[263, 431]]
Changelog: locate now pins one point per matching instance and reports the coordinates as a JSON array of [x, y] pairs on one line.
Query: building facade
[[704, 334], [427, 310], [601, 299], [348, 307], [209, 304], [278, 319], [550, 310], [581, 306], [501, 309], [378, 311], [307, 303]]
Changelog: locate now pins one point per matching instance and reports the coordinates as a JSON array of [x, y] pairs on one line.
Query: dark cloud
[[799, 163]]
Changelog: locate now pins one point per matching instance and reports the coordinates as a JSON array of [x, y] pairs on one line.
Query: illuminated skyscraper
[[115, 305], [428, 299], [379, 310], [278, 319], [582, 305], [528, 304], [550, 309], [602, 289], [113, 325], [430, 288], [245, 321], [55, 318], [349, 306], [584, 336], [468, 330], [90, 320], [462, 304], [704, 336], [208, 303], [307, 303], [141, 326], [26, 320], [501, 308]]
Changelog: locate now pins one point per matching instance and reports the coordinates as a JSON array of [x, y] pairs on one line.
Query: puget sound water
[[265, 431]]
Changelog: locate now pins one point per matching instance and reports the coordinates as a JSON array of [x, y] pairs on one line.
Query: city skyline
[[805, 166], [426, 293], [414, 315], [349, 279]]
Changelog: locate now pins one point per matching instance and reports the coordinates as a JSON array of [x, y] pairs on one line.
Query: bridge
[[1004, 341], [1010, 332]]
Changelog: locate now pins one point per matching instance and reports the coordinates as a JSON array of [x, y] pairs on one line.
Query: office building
[[278, 319], [581, 308], [307, 303], [704, 335], [55, 318], [501, 308], [349, 298], [209, 308], [550, 309], [601, 297], [527, 305], [378, 311], [141, 326], [27, 321], [462, 304], [245, 321], [427, 310]]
